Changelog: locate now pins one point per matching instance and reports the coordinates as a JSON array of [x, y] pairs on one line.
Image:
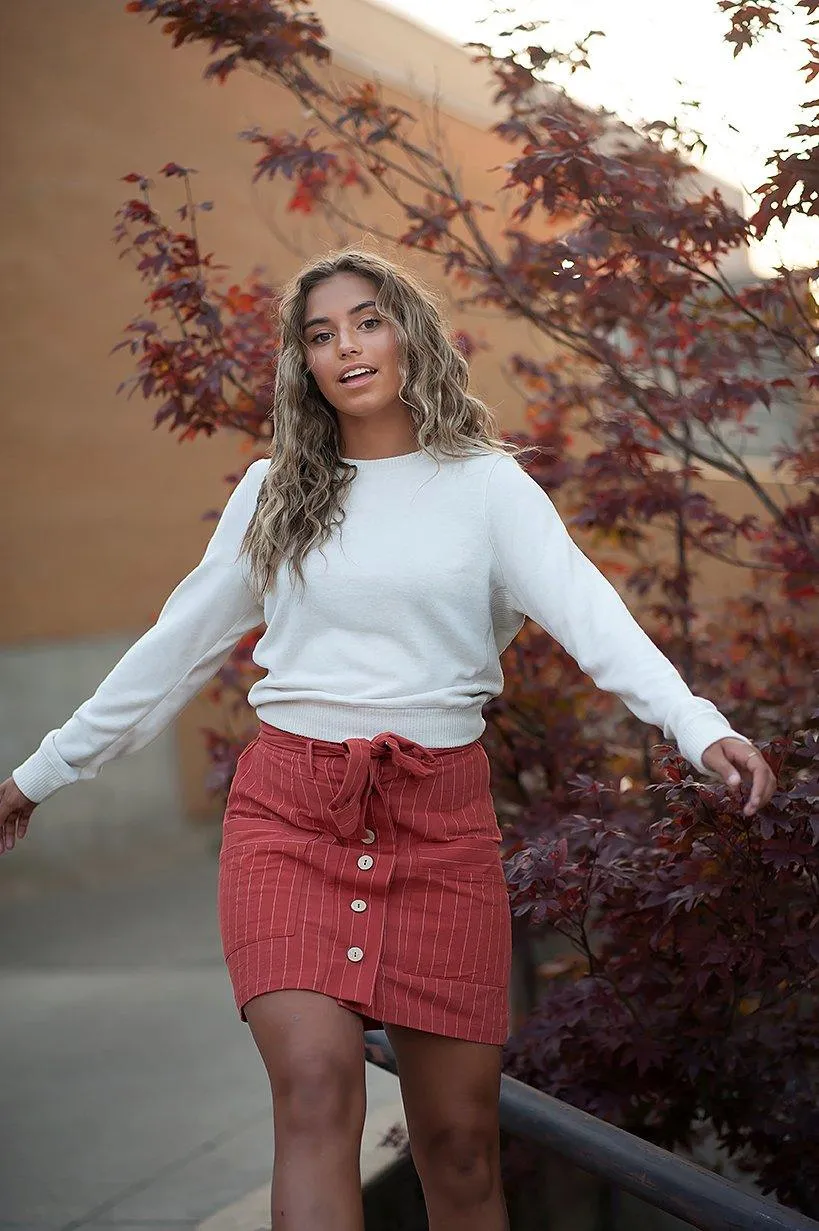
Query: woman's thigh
[[313, 1050], [450, 1089]]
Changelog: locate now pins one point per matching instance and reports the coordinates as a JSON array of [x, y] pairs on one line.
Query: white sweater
[[405, 613]]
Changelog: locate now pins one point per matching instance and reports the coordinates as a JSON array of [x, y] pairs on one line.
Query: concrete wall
[[132, 810]]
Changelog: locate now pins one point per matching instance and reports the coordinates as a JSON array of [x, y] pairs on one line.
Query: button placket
[[366, 953], [365, 862]]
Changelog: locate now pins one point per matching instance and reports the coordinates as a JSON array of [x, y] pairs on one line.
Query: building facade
[[102, 514]]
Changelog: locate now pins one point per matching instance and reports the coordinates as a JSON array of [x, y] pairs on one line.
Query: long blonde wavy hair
[[301, 499]]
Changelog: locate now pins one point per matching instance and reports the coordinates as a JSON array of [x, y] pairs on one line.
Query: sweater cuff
[[696, 736], [41, 775]]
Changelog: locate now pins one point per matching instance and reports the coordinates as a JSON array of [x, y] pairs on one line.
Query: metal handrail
[[656, 1176]]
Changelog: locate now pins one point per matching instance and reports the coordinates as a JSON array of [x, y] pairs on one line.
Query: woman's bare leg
[[450, 1090], [313, 1051]]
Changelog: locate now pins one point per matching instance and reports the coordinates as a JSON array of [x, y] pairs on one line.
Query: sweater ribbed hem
[[431, 727], [38, 776], [705, 730]]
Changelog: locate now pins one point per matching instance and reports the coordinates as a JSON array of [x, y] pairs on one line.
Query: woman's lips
[[354, 381]]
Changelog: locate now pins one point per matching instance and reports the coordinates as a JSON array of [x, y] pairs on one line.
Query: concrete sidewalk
[[130, 1093]]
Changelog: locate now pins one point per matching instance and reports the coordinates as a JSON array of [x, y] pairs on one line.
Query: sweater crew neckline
[[385, 463]]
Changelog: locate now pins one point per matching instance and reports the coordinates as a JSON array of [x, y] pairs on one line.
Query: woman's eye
[[370, 323]]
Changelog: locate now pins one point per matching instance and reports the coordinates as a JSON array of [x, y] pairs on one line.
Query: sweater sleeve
[[550, 580], [200, 623]]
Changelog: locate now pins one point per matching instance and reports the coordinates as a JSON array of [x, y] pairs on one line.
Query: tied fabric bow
[[361, 776]]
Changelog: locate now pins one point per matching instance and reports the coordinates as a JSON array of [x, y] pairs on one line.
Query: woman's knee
[[319, 1092], [460, 1160], [313, 1052]]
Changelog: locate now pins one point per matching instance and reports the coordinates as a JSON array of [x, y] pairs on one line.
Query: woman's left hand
[[732, 759]]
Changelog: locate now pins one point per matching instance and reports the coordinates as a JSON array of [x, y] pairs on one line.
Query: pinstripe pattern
[[368, 870]]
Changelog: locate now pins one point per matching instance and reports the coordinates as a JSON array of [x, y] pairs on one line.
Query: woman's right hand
[[15, 810]]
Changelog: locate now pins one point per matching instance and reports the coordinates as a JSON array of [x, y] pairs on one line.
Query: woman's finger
[[7, 832], [732, 759], [754, 766], [12, 829], [15, 814], [720, 764]]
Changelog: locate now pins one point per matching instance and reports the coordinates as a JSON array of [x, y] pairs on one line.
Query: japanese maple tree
[[686, 991]]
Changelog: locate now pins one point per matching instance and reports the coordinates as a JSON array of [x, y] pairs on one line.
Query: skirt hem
[[371, 1019]]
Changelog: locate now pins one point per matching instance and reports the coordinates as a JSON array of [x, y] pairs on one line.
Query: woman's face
[[344, 332]]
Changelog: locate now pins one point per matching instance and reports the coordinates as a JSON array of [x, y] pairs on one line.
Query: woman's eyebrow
[[325, 320]]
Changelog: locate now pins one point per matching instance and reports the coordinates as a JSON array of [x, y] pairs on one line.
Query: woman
[[392, 546]]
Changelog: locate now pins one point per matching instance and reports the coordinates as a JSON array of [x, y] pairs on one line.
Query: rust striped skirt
[[370, 871]]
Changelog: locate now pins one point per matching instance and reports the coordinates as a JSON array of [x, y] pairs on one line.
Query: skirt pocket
[[261, 892], [464, 924]]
